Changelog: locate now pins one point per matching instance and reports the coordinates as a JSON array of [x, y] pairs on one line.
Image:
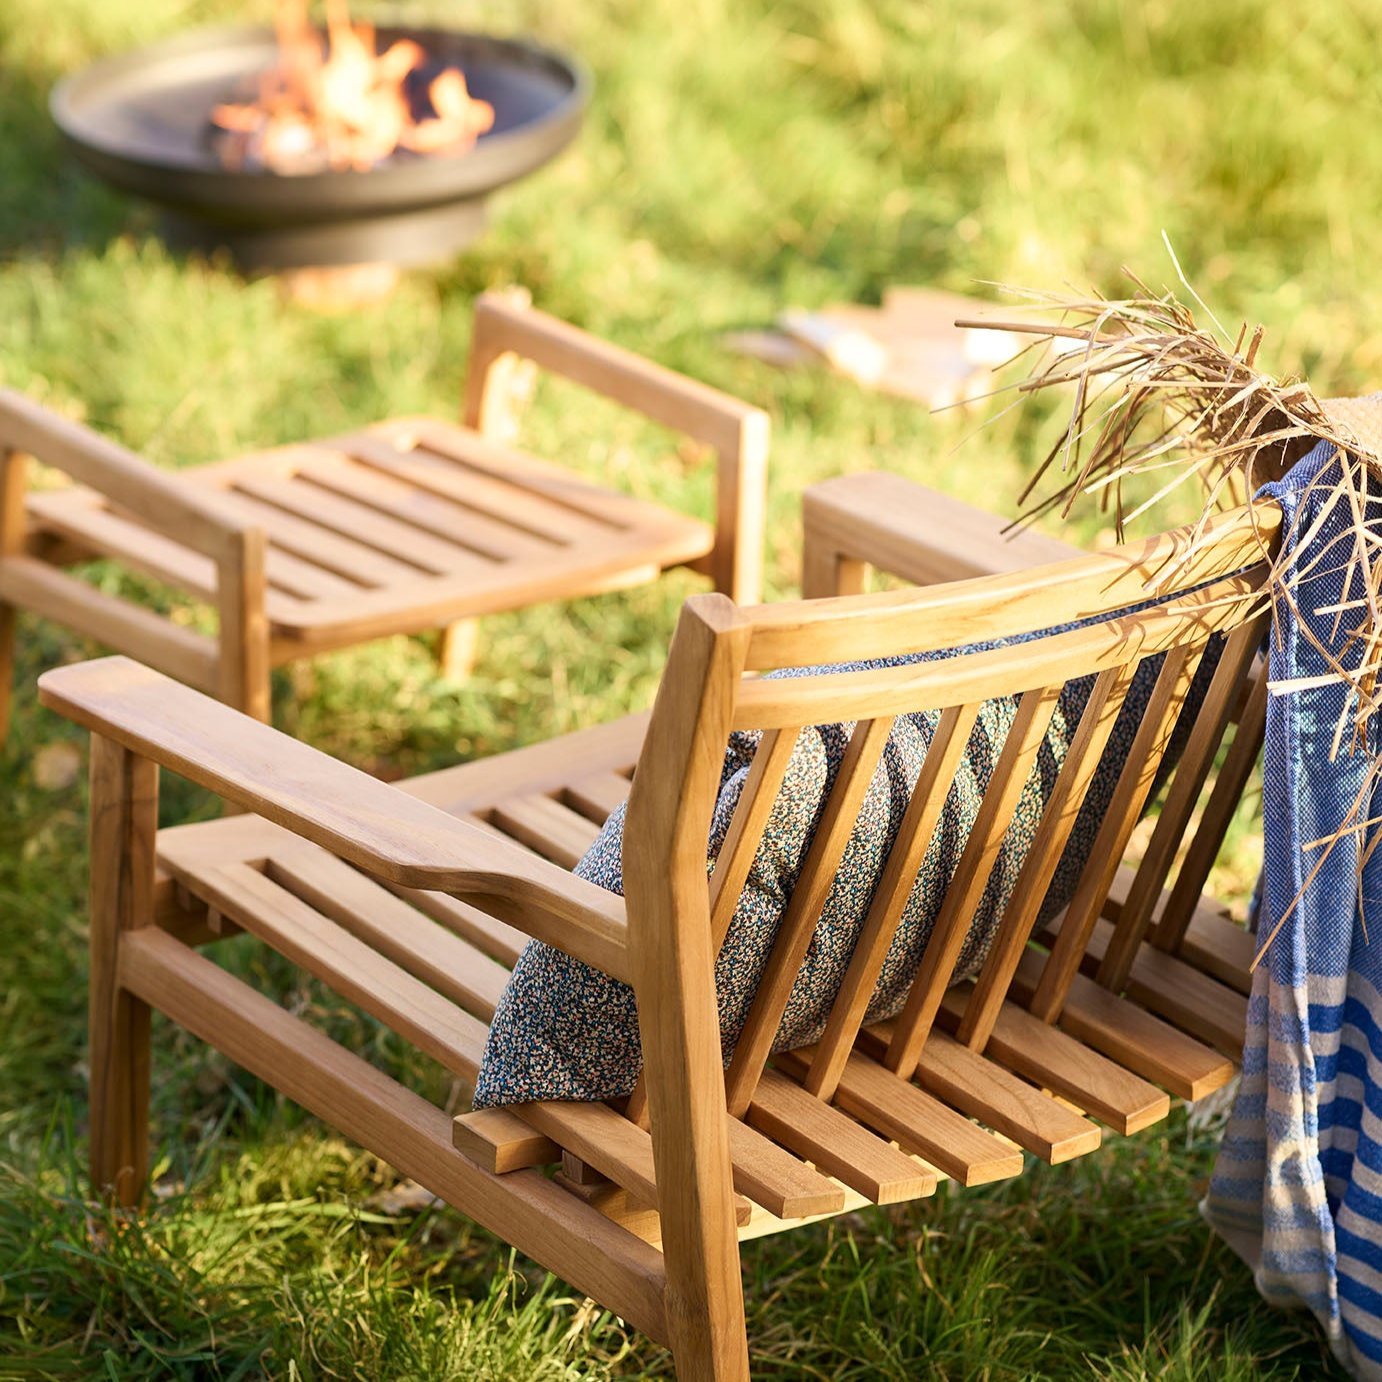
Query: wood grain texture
[[124, 819], [835, 1143], [1057, 821], [909, 531], [673, 970], [803, 911], [965, 890], [916, 1120], [391, 835], [738, 433], [405, 1130], [885, 911], [13, 480], [412, 901], [1054, 1060], [813, 632]]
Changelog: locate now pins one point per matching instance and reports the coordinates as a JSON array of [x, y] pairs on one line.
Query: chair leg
[[457, 646], [7, 620], [13, 473], [124, 818]]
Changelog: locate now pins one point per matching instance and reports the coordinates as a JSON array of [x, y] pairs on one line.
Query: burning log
[[335, 102]]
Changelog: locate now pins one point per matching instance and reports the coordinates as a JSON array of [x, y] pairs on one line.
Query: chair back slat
[[1213, 825], [1025, 739], [1186, 787], [1124, 810], [1100, 713], [813, 886], [1113, 628], [731, 870], [938, 768], [746, 828]]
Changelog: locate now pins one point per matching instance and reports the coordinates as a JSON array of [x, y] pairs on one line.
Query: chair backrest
[[1203, 582]]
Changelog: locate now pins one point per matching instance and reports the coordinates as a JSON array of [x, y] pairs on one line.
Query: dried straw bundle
[[1156, 394]]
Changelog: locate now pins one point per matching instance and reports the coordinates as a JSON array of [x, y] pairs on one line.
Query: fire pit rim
[[496, 158]]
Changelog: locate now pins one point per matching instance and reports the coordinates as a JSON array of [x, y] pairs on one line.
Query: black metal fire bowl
[[140, 121]]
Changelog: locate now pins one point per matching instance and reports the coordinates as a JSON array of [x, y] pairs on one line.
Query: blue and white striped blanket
[[1297, 1188]]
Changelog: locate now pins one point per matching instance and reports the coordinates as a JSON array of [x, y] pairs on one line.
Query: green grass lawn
[[739, 157]]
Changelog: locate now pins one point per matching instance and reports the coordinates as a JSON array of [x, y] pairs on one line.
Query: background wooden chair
[[412, 900], [404, 526]]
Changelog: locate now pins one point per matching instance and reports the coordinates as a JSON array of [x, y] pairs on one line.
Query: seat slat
[[596, 797], [421, 511], [493, 493], [487, 934], [917, 1120], [486, 532], [411, 550], [362, 567], [607, 1141], [348, 966], [983, 1089], [561, 487], [363, 524], [1129, 1034], [776, 1179], [553, 830], [500, 1141], [1216, 945], [838, 1145], [390, 926], [1056, 1061], [1213, 942], [1171, 988], [546, 767]]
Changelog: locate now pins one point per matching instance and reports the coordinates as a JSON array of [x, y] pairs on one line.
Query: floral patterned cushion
[[566, 1031]]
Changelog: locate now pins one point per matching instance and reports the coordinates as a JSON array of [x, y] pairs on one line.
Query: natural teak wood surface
[[408, 525], [413, 900]]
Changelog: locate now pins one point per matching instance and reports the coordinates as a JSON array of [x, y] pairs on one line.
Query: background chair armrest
[[181, 514], [382, 830], [883, 520], [508, 329], [161, 500]]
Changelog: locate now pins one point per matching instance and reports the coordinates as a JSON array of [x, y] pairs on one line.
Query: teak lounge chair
[[411, 900], [401, 527]]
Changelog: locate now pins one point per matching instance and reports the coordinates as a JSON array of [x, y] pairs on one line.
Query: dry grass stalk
[[1156, 394]]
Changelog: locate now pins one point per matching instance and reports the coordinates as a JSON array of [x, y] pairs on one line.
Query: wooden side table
[[882, 520]]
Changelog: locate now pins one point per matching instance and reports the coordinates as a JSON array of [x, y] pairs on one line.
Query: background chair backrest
[[1217, 575]]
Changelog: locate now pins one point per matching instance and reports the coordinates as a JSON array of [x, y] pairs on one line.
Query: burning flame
[[343, 104]]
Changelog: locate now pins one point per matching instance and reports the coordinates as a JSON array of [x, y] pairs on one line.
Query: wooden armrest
[[507, 326], [916, 533], [366, 822], [157, 498]]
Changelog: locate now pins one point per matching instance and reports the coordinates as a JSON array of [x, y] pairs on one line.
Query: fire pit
[[143, 121]]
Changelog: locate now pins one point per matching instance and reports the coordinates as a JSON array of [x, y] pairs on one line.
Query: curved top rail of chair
[[898, 622]]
